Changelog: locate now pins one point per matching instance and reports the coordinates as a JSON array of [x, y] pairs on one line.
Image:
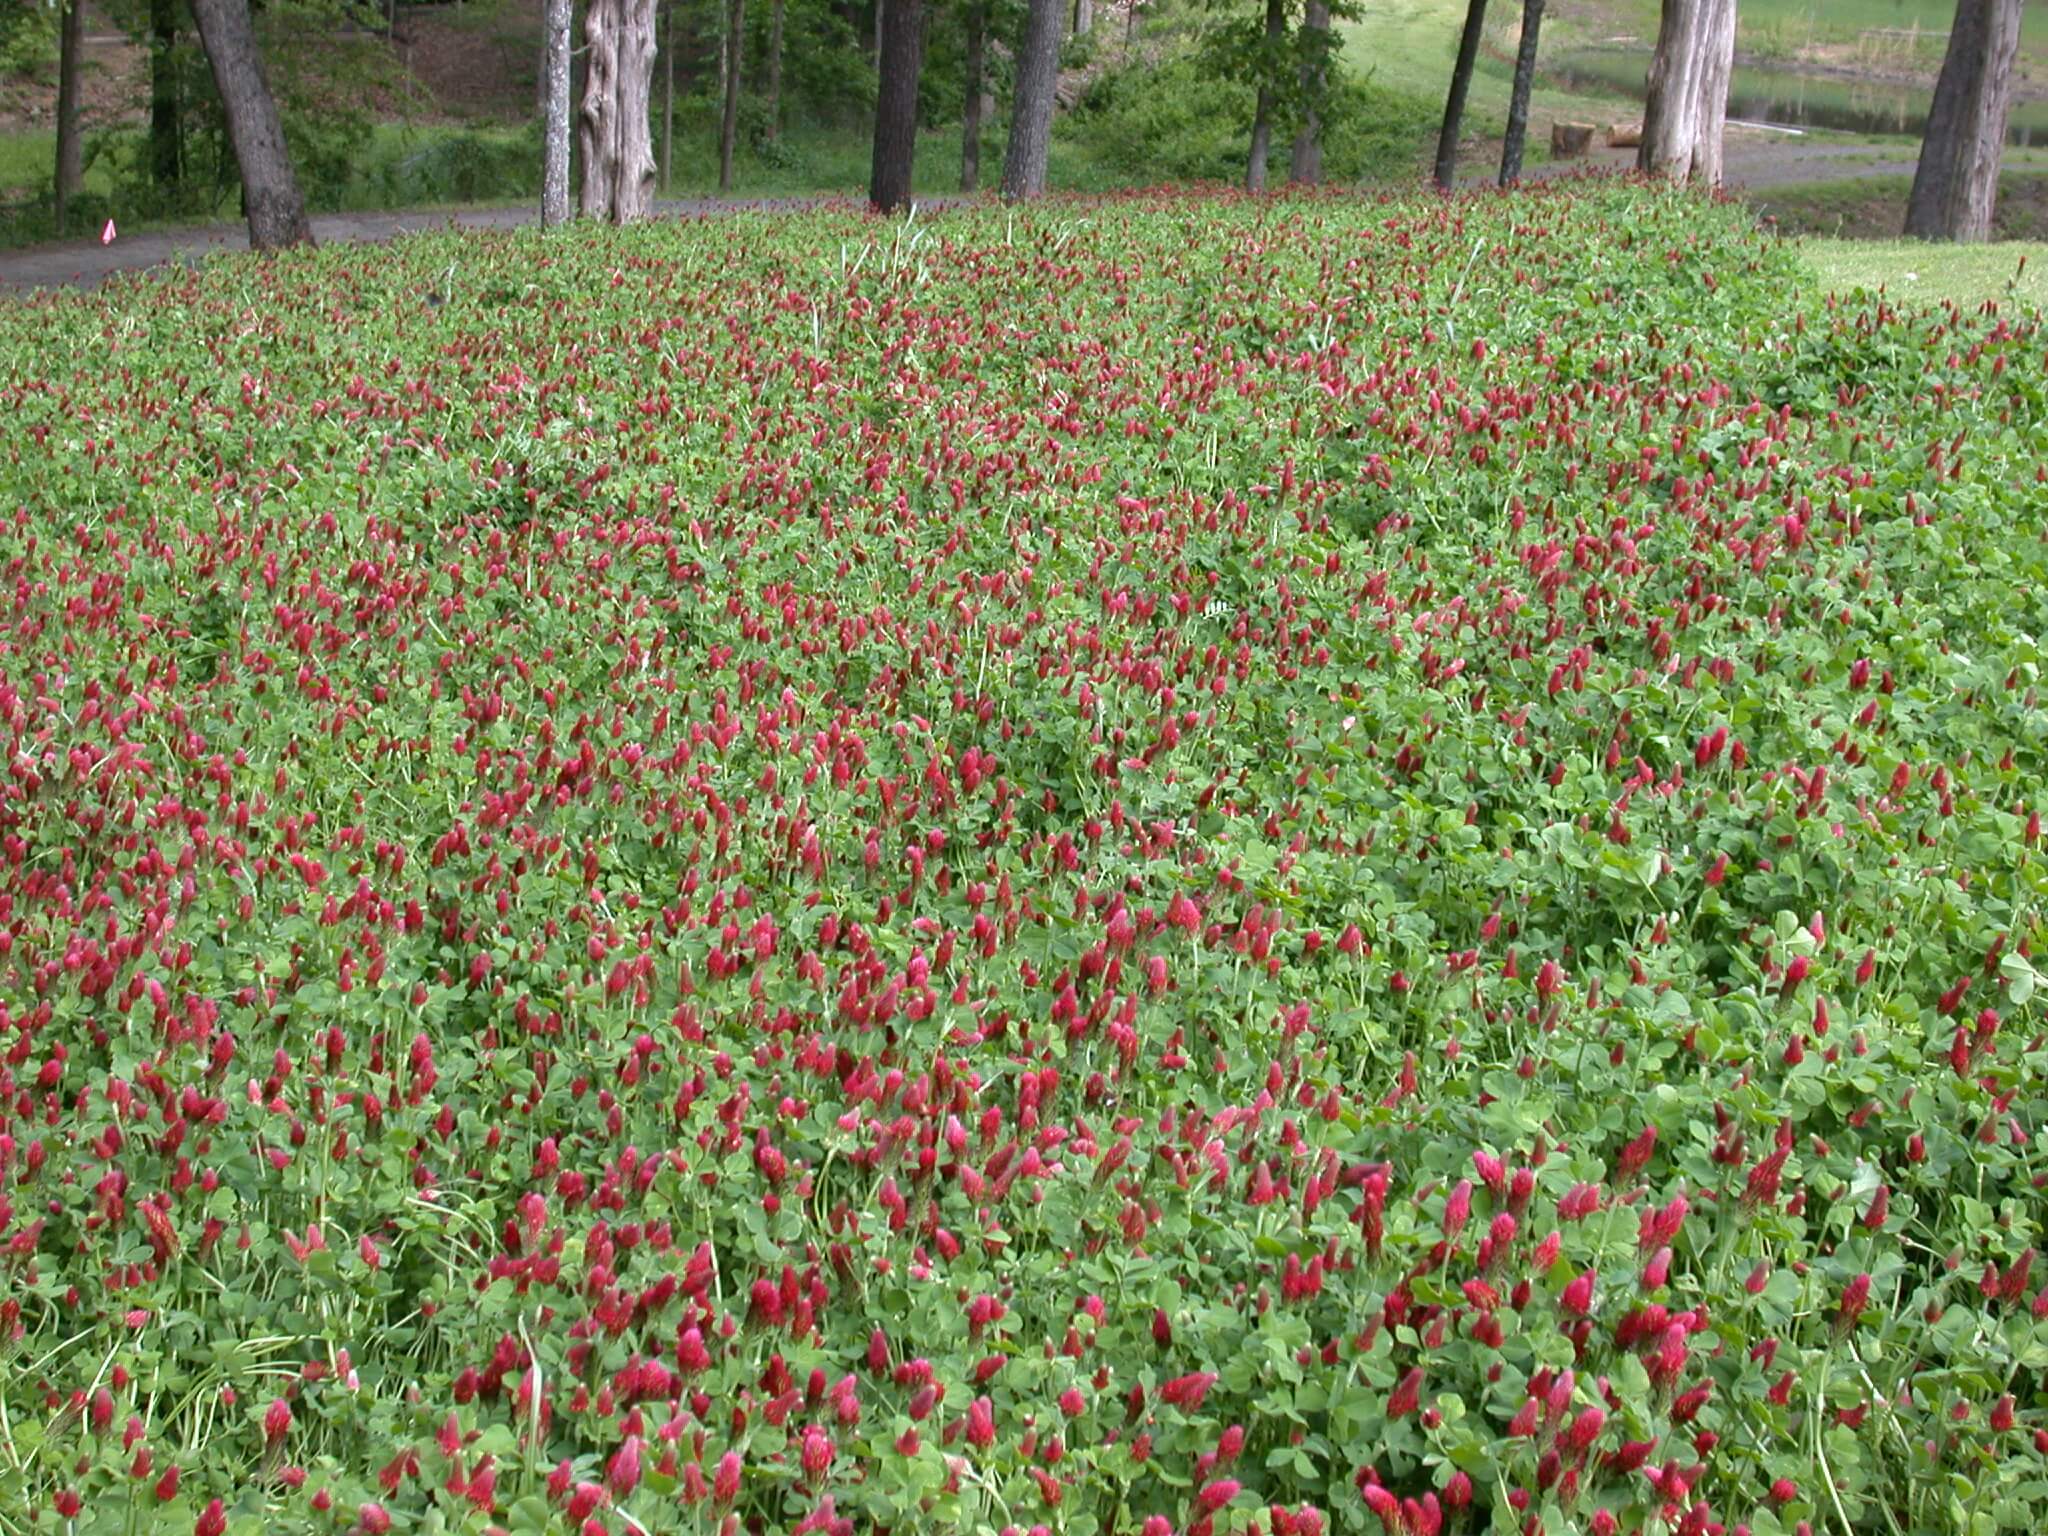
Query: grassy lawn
[[1917, 270], [403, 166], [28, 161], [1781, 27], [1409, 46], [1871, 207]]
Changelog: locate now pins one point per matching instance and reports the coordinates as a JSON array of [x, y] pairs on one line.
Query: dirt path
[[1756, 160], [1761, 159], [86, 264]]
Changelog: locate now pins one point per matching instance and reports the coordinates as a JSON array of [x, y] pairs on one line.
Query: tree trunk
[[70, 159], [1306, 165], [1262, 114], [1955, 186], [618, 160], [579, 83], [165, 148], [1714, 80], [970, 115], [554, 115], [1084, 17], [270, 192], [729, 124], [1686, 98], [668, 95], [901, 57], [1454, 103], [1518, 96], [775, 72], [1038, 72]]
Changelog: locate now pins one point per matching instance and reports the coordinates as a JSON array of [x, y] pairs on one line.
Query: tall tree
[[729, 122], [1454, 101], [977, 85], [270, 192], [1268, 97], [554, 79], [1084, 17], [900, 58], [1686, 100], [1518, 95], [1955, 185], [166, 144], [70, 159], [618, 155], [1306, 163], [668, 93], [774, 129], [1038, 73]]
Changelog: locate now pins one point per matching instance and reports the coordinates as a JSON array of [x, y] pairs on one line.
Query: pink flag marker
[[107, 234]]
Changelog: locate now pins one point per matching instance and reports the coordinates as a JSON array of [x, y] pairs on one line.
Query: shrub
[[1179, 122]]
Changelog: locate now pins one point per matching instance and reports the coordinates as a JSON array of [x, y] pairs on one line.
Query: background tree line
[[229, 107]]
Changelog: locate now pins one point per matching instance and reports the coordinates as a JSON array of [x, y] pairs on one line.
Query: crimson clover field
[[1166, 865]]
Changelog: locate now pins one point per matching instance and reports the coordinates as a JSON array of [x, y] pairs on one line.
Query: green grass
[[1873, 207], [1409, 45], [405, 166], [399, 165], [1810, 61], [24, 158], [812, 161], [28, 161], [1782, 26], [1919, 271]]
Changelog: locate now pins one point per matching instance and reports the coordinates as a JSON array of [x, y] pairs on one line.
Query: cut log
[[1569, 140], [1624, 135]]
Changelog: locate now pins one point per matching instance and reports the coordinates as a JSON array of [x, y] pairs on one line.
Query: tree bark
[[1038, 72], [970, 114], [1084, 17], [1262, 114], [554, 116], [729, 123], [1306, 164], [668, 94], [775, 71], [1454, 102], [1518, 95], [1686, 98], [901, 57], [618, 160], [70, 156], [166, 158], [270, 192], [1955, 185]]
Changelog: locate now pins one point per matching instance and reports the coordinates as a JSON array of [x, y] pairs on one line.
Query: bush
[[1177, 122], [468, 167], [28, 40], [1172, 123], [1375, 133]]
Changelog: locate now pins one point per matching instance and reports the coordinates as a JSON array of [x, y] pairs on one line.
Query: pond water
[[1778, 95]]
